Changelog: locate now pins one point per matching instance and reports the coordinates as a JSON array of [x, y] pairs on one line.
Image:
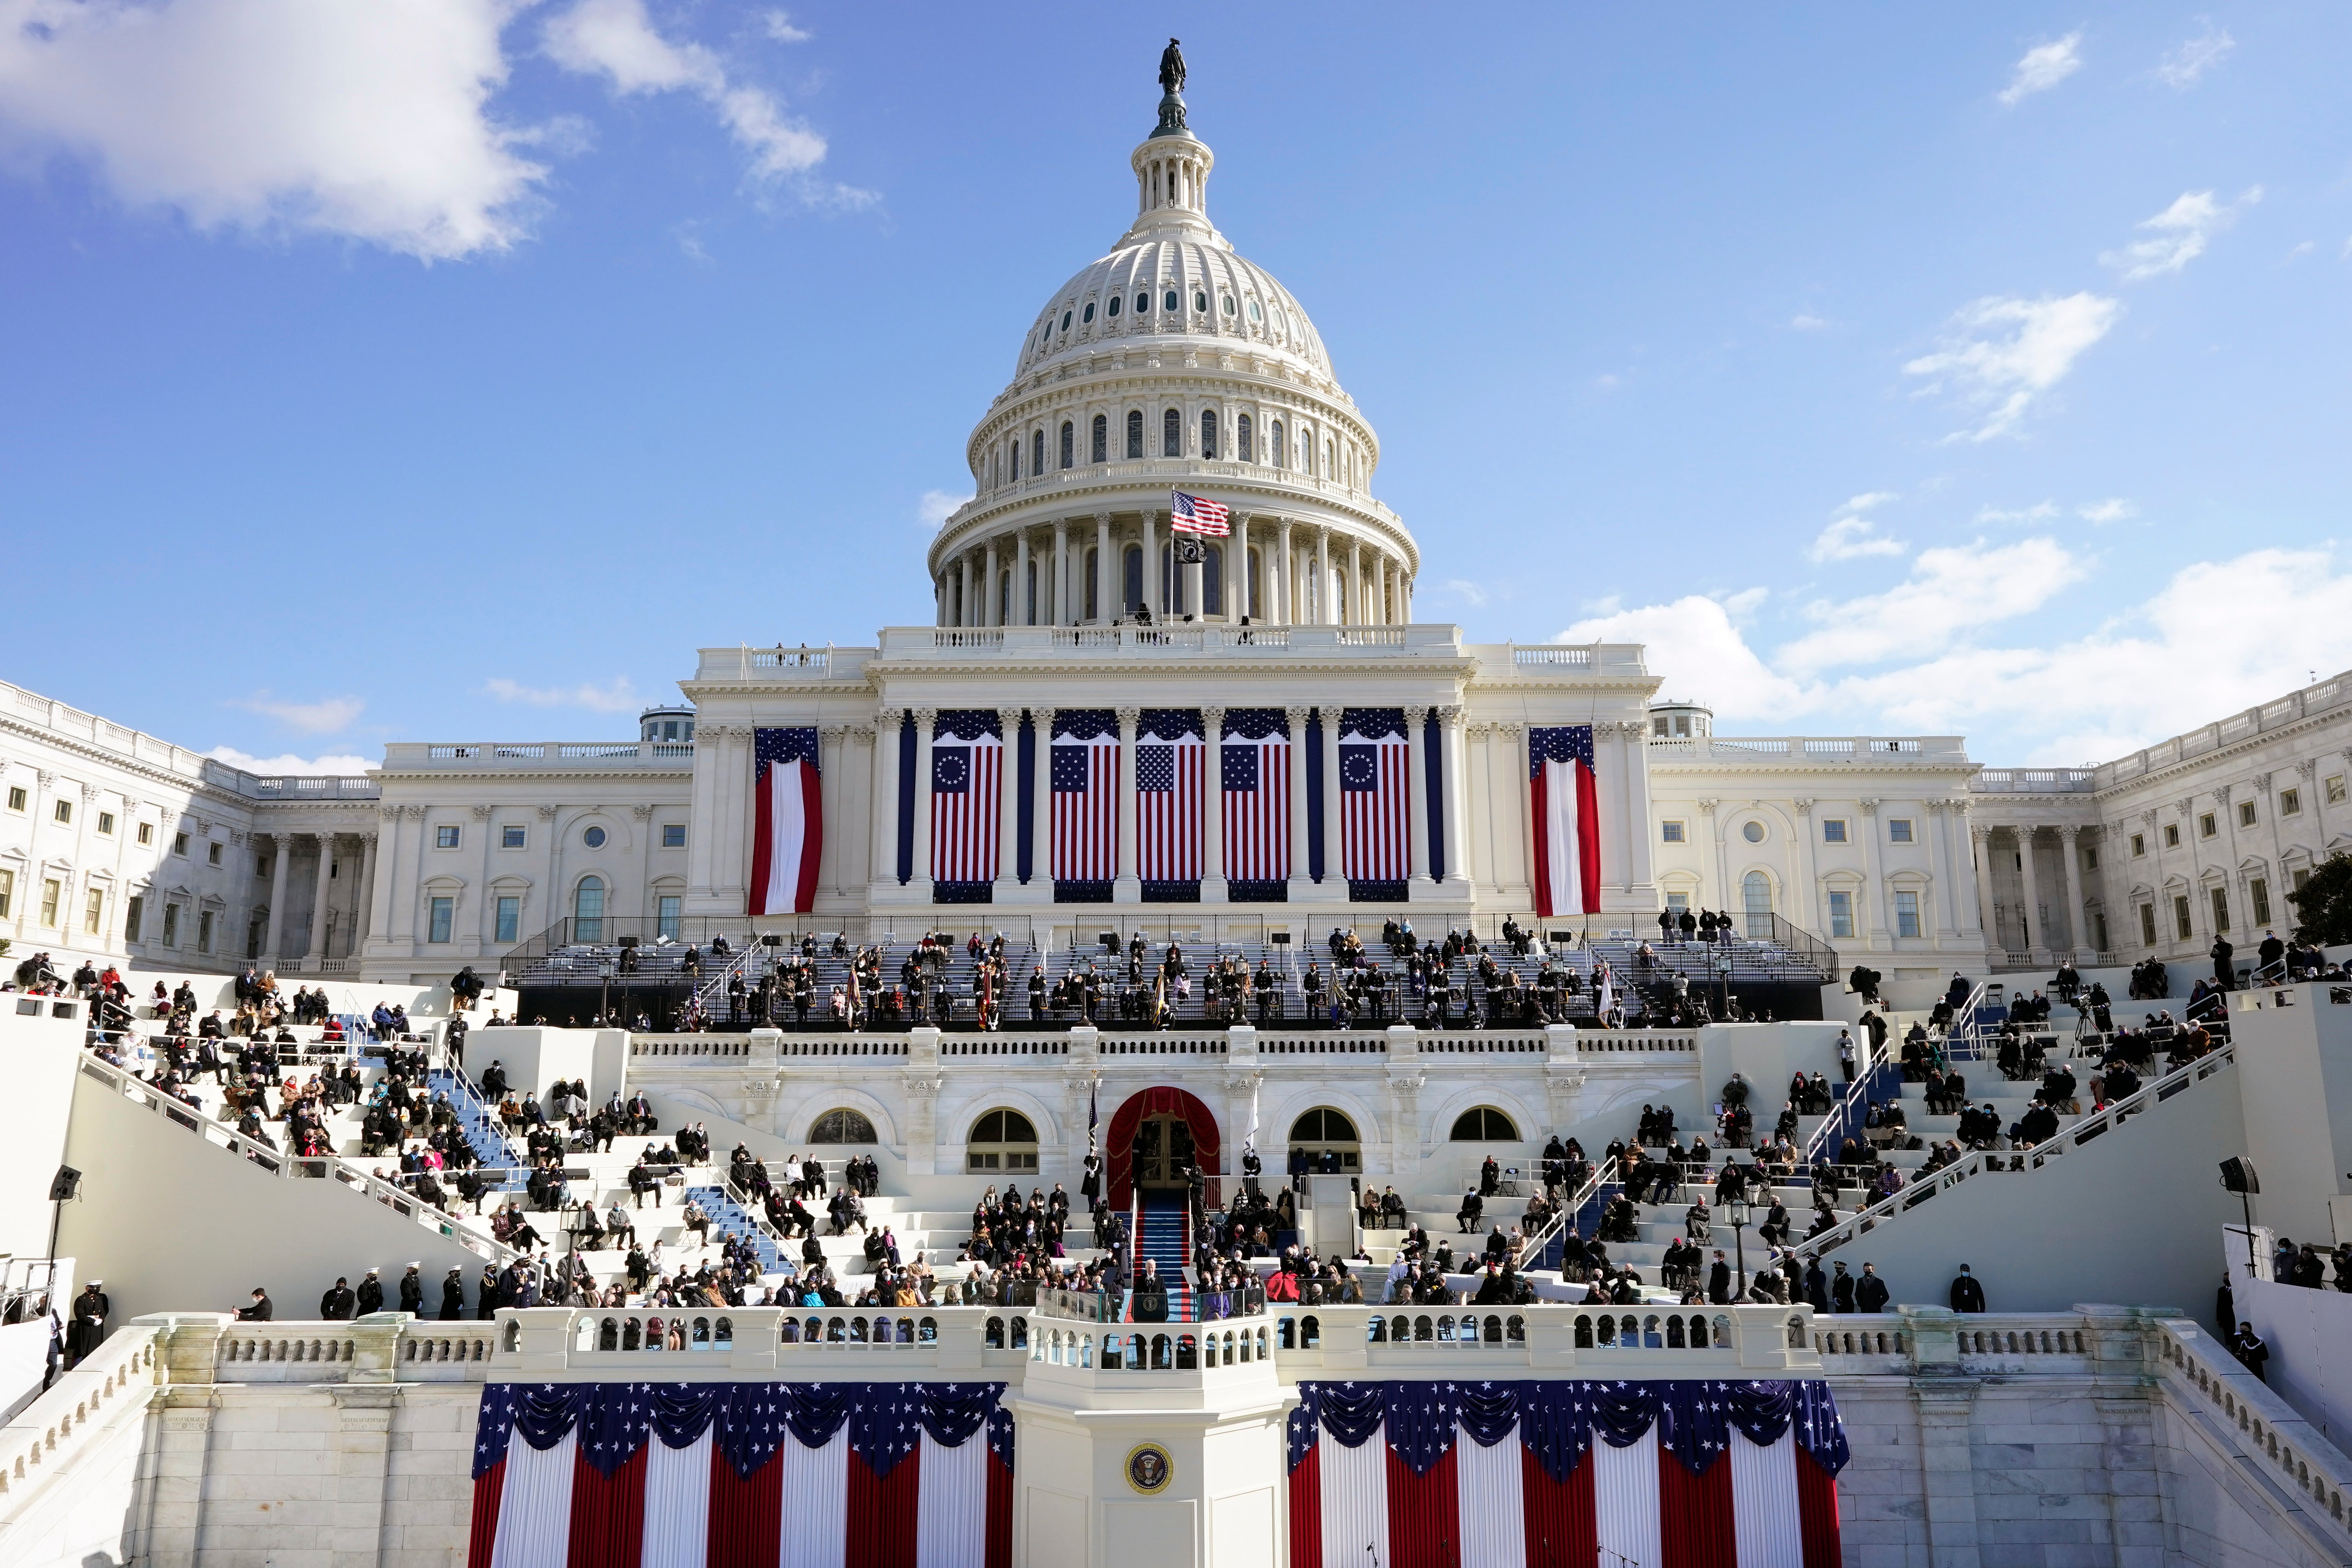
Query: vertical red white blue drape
[[742, 1475], [1084, 785], [1255, 778], [1168, 796], [1566, 820], [1572, 1474], [787, 821], [967, 783]]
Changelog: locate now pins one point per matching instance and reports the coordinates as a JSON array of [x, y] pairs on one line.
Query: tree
[[2323, 905]]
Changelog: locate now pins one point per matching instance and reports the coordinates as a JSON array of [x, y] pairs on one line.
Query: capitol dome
[[1170, 365]]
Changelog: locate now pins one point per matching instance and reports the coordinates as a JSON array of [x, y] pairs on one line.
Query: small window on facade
[[1142, 303], [2302, 876], [93, 913], [2245, 814], [8, 892], [1101, 442], [2290, 803], [1484, 1124], [1673, 832], [673, 834], [170, 925], [2172, 835], [509, 919], [2259, 892], [444, 912], [205, 931], [1898, 830], [2207, 825], [16, 798], [1752, 831], [588, 910], [1841, 914], [2221, 909], [2335, 789], [52, 894], [1112, 308], [179, 843], [2148, 925], [1253, 310], [1135, 432], [64, 812], [146, 833], [1066, 320], [1834, 830], [1201, 300], [2090, 858], [1274, 447], [1229, 304], [1088, 313], [1907, 914], [106, 822], [1171, 434], [212, 854], [668, 917], [2181, 916], [1658, 726], [511, 837], [593, 838], [444, 837], [1169, 304]]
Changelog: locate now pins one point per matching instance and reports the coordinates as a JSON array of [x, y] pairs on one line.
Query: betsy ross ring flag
[[1195, 514]]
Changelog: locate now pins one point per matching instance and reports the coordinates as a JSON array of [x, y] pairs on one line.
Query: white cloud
[[2005, 351], [367, 121], [617, 39], [1695, 646], [2182, 67], [1466, 589], [781, 29], [938, 506], [290, 764], [2039, 511], [1807, 323], [2301, 249], [325, 717], [2115, 509], [1850, 534], [618, 697], [2043, 67], [2177, 236], [1950, 591]]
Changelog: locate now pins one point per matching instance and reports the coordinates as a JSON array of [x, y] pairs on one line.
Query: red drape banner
[[1162, 1099]]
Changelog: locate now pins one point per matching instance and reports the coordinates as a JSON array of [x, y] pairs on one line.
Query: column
[[1024, 613], [963, 590], [991, 612], [380, 895], [1062, 617], [1354, 597], [1151, 567], [2070, 841], [1296, 805], [2035, 936], [1521, 835], [1041, 806], [1379, 589], [1128, 889], [1323, 609], [1878, 922], [1404, 597], [1106, 568], [1980, 873], [281, 851], [1939, 856], [1947, 1469], [922, 867], [1416, 732], [883, 863], [365, 891], [832, 785], [1213, 805], [1281, 608], [1449, 734], [1335, 868], [318, 910], [1804, 905], [1009, 802]]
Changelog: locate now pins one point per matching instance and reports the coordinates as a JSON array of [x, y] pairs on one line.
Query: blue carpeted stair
[[728, 1218], [1584, 1221], [1164, 1228], [482, 1131]]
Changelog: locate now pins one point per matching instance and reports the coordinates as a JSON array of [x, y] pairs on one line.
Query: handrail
[[1852, 1107], [40, 1440], [1604, 1176], [2066, 1141], [2274, 1436]]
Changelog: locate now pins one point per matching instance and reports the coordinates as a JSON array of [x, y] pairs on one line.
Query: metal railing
[[1538, 1246]]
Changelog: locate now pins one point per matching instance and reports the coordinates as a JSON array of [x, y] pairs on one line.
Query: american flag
[[1168, 755], [1255, 754], [1085, 794], [967, 780], [1375, 795], [1196, 514]]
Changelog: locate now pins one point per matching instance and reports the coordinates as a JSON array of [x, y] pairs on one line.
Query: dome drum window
[[1112, 308], [1229, 304], [1066, 320], [1200, 302], [1135, 432], [1036, 452], [1208, 433], [1172, 303], [1101, 446], [1171, 434], [1069, 444], [1088, 313], [1142, 305]]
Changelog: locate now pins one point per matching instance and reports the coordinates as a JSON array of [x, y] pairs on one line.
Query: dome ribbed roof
[[1222, 301]]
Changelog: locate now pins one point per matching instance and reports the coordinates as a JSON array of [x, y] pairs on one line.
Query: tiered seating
[[1163, 1236], [483, 1134], [728, 1218]]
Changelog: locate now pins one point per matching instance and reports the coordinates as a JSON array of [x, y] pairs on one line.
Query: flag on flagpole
[[1566, 820], [1196, 514], [787, 821]]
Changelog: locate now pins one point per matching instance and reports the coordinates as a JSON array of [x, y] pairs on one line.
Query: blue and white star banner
[[1375, 795], [742, 1475], [967, 784], [1670, 1474]]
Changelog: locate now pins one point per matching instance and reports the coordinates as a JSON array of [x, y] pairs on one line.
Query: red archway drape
[[1119, 1152]]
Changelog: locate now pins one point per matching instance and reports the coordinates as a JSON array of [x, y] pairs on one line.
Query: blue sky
[[452, 370]]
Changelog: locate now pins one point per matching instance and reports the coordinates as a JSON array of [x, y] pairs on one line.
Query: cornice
[[1266, 500], [197, 788], [1190, 669]]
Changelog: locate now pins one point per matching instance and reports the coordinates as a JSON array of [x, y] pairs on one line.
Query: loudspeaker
[[628, 941], [64, 1185], [772, 939], [2238, 1176]]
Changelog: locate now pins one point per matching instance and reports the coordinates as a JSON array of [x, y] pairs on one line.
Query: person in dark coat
[[453, 1297], [2222, 953], [260, 1311], [2251, 1353], [1870, 1291], [1817, 1286], [1718, 1280], [411, 1293], [87, 1326], [1842, 1291], [1968, 1295], [337, 1304], [371, 1294]]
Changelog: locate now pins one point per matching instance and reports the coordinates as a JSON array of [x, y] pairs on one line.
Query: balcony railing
[[531, 756]]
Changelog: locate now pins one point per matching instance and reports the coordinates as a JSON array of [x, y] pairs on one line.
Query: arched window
[[1102, 439], [1005, 597], [1132, 585], [1208, 433], [1016, 460], [1254, 598], [1037, 452], [842, 1127], [588, 910], [1002, 1141], [1135, 432], [1172, 433], [1213, 582], [1756, 903], [1242, 438], [1273, 444], [1069, 444], [1094, 569], [1326, 1129], [1484, 1124], [1029, 598]]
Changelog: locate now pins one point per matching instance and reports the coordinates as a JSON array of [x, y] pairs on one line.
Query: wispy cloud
[[938, 506], [2043, 67], [781, 28], [1950, 591], [2115, 509], [2180, 68], [2177, 235], [2002, 353], [328, 716], [617, 696], [1466, 589], [288, 762], [1994, 516], [1851, 533], [1805, 322]]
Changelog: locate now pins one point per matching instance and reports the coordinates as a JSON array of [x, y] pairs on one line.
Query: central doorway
[[1165, 1147]]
